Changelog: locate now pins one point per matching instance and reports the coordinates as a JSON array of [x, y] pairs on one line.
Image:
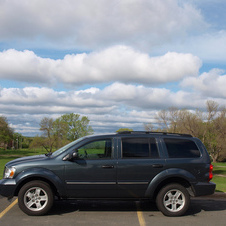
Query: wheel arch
[[170, 176], [173, 180], [36, 178], [47, 176]]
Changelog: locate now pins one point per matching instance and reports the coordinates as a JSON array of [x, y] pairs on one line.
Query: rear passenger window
[[139, 148], [181, 148]]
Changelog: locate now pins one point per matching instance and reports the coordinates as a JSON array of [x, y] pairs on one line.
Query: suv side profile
[[167, 168]]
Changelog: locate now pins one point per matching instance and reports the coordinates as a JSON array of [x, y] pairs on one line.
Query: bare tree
[[46, 126], [162, 119], [210, 127], [212, 108]]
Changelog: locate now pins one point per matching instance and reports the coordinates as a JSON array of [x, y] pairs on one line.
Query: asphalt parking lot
[[209, 210]]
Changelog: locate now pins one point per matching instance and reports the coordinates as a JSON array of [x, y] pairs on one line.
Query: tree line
[[54, 133], [208, 126]]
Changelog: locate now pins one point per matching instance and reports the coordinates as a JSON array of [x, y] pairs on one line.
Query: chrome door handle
[[107, 166], [157, 165]]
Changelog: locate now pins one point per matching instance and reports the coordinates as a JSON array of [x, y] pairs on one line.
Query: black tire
[[35, 198], [173, 200]]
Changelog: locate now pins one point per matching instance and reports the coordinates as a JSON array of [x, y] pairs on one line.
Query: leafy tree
[[26, 141], [6, 133], [74, 127], [60, 130], [64, 129], [37, 142], [17, 141], [123, 129]]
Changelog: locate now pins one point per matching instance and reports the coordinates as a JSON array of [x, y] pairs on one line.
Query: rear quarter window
[[181, 148]]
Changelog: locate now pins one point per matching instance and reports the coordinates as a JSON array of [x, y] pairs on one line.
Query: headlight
[[9, 172]]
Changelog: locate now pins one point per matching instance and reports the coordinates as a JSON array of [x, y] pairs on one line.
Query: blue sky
[[117, 62]]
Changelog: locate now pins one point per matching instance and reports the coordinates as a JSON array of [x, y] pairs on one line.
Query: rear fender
[[165, 176]]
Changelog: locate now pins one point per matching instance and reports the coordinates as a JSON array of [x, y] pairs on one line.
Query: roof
[[158, 133]]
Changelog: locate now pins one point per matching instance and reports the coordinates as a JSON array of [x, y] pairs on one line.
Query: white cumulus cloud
[[115, 97], [110, 108], [209, 84], [94, 23], [117, 63], [25, 66]]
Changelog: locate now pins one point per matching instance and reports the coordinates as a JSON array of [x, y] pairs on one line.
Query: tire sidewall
[[41, 184], [163, 192]]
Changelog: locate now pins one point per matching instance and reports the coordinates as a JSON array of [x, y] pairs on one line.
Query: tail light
[[211, 172]]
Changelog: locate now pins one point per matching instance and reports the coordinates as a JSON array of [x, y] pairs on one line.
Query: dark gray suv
[[167, 168]]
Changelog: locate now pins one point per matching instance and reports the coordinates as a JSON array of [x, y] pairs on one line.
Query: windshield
[[61, 150]]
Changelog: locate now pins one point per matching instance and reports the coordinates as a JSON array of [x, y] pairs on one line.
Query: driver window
[[96, 150]]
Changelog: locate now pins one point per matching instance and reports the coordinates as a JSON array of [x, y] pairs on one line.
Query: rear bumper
[[7, 187], [202, 188]]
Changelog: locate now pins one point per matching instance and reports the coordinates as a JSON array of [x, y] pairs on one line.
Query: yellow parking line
[[140, 215], [8, 208]]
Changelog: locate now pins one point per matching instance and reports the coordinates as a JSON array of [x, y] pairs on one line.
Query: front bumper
[[7, 187], [202, 188]]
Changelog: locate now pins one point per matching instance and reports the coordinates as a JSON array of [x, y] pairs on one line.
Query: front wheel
[[173, 200], [35, 198]]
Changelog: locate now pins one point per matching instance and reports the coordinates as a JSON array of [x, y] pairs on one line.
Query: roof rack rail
[[148, 132]]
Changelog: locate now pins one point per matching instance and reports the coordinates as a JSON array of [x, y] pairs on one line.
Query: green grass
[[8, 155], [219, 168], [220, 182], [3, 161], [23, 152], [219, 164]]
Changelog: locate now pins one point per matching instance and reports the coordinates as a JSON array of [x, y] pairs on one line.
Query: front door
[[93, 172]]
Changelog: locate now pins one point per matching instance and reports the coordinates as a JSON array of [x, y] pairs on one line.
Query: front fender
[[166, 175], [41, 173]]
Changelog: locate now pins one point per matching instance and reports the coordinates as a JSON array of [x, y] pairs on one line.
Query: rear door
[[138, 163]]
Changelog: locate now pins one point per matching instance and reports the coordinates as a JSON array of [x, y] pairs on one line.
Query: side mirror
[[73, 155]]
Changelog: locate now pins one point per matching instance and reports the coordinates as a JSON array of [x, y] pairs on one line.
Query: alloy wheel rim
[[35, 199], [174, 200]]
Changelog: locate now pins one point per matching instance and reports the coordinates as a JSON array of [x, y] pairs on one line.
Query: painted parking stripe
[[140, 215], [8, 208]]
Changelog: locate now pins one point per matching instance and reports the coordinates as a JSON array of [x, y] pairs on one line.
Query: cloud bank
[[91, 24], [110, 108], [117, 63]]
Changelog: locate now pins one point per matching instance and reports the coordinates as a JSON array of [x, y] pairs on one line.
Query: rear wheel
[[35, 198], [173, 200]]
